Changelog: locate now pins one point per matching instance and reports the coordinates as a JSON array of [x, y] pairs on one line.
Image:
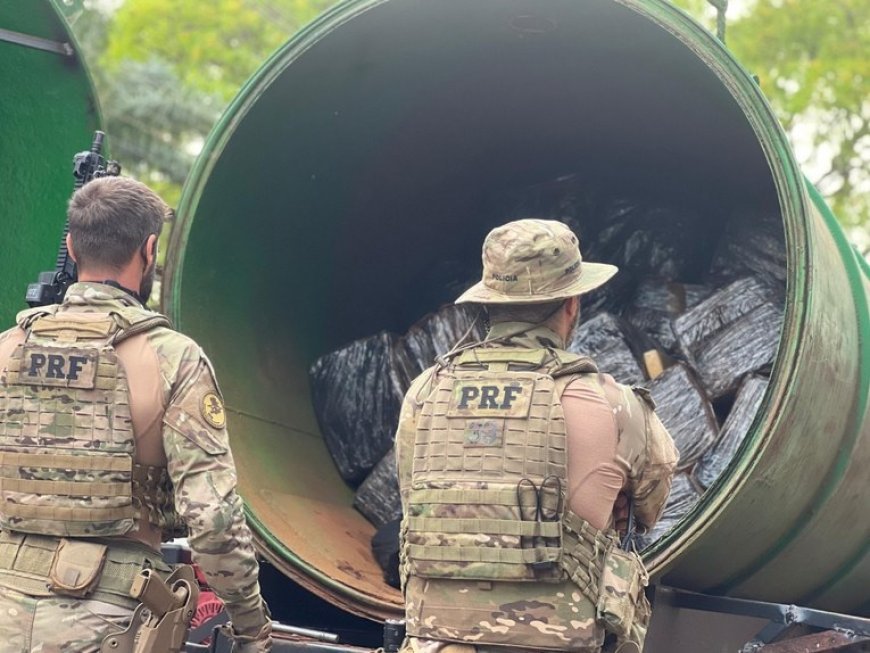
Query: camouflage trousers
[[30, 624]]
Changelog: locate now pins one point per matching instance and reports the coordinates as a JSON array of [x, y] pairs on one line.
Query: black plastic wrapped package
[[605, 338], [686, 412], [747, 345], [357, 393], [437, 333], [649, 239], [683, 496], [655, 325], [753, 244], [656, 302], [697, 326], [612, 297], [378, 496], [734, 430], [385, 549]]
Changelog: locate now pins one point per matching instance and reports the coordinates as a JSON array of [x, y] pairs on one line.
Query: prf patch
[[491, 398], [212, 409], [59, 368]]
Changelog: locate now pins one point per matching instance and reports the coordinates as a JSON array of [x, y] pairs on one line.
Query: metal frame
[[36, 42], [221, 643], [302, 640], [831, 631], [851, 630]]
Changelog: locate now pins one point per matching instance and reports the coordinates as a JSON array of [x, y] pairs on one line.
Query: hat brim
[[592, 276]]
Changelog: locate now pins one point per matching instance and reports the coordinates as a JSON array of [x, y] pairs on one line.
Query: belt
[[25, 562]]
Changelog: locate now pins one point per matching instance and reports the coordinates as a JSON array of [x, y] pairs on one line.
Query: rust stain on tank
[[349, 569]]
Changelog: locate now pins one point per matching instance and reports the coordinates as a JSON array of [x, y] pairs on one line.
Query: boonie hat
[[534, 261]]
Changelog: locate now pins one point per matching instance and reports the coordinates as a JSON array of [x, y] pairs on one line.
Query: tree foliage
[[212, 46], [165, 69], [812, 58]]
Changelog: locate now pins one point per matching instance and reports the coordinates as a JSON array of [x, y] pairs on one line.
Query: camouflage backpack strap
[[133, 321], [495, 358], [26, 318], [566, 363]]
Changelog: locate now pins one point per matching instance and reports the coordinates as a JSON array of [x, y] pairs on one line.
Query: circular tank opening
[[376, 146]]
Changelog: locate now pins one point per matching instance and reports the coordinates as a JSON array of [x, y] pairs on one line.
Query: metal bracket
[[36, 42], [782, 617]]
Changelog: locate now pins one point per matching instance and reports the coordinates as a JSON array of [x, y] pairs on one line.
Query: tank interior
[[366, 165]]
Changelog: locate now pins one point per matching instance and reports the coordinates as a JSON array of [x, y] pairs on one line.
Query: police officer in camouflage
[[515, 459], [112, 440]]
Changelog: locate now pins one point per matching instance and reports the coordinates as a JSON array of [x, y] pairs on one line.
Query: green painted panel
[[47, 114]]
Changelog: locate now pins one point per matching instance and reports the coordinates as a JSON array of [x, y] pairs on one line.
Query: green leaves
[[166, 69], [811, 57]]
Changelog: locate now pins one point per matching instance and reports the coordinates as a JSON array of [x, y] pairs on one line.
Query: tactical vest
[[491, 552], [67, 448]]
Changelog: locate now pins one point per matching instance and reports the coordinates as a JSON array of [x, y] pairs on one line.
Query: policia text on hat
[[512, 456], [112, 439]]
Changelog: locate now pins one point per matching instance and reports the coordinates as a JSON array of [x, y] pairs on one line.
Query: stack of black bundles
[[753, 245], [685, 411], [657, 302], [357, 392], [607, 339], [730, 334], [734, 430]]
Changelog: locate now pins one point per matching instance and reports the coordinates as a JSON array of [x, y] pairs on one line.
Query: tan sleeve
[[645, 448], [203, 474], [595, 474]]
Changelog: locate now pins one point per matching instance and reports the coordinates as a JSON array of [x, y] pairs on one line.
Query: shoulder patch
[[198, 412], [212, 409]]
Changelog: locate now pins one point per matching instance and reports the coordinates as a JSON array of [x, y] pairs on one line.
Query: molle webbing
[[483, 431], [554, 362], [493, 526], [67, 447], [115, 327], [69, 454], [153, 498], [25, 561], [585, 547]]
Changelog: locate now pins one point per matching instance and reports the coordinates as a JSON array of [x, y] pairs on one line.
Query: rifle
[[51, 286]]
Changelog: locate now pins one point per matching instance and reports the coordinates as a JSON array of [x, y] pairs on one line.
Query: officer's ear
[[149, 250], [69, 248], [572, 308]]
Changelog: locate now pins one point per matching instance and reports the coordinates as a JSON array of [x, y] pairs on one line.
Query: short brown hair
[[110, 218]]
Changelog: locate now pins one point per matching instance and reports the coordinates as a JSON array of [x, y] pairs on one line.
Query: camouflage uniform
[[177, 421], [475, 434]]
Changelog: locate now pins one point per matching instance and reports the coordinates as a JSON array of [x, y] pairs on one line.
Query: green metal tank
[[47, 113], [366, 150]]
